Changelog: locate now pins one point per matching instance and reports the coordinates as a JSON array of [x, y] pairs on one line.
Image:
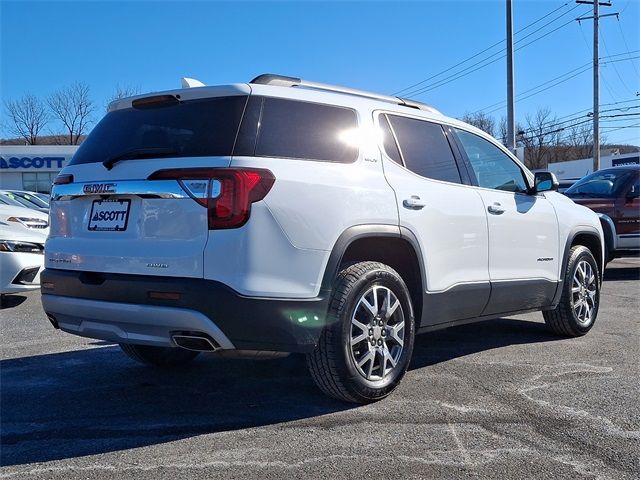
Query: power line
[[479, 65], [520, 97], [624, 38], [588, 116], [635, 125], [561, 81], [590, 50], [616, 68], [549, 132], [487, 49], [523, 95], [602, 105]]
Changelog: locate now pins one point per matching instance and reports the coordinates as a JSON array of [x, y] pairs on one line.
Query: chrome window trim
[[142, 188]]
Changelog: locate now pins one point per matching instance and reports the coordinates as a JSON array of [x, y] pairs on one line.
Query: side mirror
[[545, 182]]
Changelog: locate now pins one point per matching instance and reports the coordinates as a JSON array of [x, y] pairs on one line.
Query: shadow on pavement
[[11, 301], [456, 342], [94, 401], [622, 273]]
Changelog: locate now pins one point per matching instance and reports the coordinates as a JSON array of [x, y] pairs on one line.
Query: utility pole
[[596, 75], [511, 117]]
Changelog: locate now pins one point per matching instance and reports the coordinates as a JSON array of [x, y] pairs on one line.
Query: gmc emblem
[[92, 188]]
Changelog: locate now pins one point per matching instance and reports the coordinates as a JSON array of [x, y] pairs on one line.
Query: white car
[[24, 217], [21, 258], [31, 200], [289, 216]]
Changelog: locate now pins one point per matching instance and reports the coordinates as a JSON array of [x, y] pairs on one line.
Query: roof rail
[[284, 81]]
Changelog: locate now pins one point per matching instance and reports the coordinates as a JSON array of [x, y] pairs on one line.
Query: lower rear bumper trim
[[129, 323]]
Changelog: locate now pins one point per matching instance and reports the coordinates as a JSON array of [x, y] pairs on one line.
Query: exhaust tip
[[53, 321], [198, 342]]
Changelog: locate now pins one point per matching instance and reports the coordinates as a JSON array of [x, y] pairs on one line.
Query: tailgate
[[139, 226]]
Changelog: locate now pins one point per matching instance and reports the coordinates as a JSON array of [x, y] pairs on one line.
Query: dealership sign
[[15, 163], [617, 162]]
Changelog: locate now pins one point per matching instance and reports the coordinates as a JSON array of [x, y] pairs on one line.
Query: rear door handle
[[496, 209], [413, 203]]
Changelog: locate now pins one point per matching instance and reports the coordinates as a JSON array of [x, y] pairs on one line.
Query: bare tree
[[26, 117], [480, 120], [579, 138], [540, 137], [73, 107], [122, 92], [502, 130]]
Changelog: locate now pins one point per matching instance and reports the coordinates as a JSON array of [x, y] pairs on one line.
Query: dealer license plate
[[109, 215]]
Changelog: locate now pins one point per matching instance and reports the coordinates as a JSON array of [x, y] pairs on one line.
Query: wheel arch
[[610, 234], [588, 237], [394, 246]]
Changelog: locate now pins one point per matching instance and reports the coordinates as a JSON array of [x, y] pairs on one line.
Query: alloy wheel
[[377, 333], [583, 292]]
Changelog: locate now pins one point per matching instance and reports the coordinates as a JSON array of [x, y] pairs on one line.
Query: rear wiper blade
[[139, 153]]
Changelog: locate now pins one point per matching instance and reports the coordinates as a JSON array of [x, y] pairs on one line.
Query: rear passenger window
[[389, 143], [294, 129], [425, 149]]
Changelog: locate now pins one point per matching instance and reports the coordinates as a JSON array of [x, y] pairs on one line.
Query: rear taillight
[[226, 192], [63, 179]]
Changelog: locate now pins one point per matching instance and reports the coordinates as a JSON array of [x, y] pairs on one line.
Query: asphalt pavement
[[499, 399]]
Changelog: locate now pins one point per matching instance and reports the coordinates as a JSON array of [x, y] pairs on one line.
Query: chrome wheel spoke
[[391, 310], [365, 358], [371, 364], [373, 310], [388, 358], [395, 330], [359, 338], [359, 324]]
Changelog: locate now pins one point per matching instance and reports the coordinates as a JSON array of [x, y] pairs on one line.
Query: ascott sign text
[[33, 162]]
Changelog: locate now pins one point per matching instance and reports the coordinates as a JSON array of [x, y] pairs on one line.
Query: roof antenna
[[191, 82]]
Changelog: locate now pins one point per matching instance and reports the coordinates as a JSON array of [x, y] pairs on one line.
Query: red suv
[[614, 193]]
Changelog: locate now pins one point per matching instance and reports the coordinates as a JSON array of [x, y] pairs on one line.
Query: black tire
[[332, 364], [165, 357], [564, 320]]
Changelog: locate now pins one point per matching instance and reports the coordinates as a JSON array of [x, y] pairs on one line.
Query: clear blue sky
[[380, 46]]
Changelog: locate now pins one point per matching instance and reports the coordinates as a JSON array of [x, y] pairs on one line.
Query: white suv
[[282, 215]]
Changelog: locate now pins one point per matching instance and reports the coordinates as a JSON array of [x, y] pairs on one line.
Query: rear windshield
[[193, 128]]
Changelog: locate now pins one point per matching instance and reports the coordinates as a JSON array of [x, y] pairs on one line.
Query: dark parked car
[[565, 184], [614, 193]]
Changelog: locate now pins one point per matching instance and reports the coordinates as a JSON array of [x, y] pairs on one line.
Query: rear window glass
[[389, 143], [193, 128], [425, 149], [294, 129]]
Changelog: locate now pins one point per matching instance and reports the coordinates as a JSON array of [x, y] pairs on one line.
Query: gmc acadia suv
[[290, 216]]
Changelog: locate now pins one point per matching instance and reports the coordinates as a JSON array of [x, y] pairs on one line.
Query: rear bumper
[[120, 308]]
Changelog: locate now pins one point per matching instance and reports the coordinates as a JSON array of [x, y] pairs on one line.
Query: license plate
[[109, 215]]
